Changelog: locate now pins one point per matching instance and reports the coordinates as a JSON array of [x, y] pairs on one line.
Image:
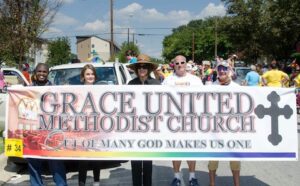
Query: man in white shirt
[[224, 79], [182, 78]]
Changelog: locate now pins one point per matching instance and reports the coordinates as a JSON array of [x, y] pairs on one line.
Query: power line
[[147, 28], [108, 33]]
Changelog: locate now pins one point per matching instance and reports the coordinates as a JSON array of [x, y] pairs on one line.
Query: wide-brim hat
[[143, 59]]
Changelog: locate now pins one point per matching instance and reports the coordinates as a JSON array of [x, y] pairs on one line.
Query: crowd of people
[[272, 75], [179, 72]]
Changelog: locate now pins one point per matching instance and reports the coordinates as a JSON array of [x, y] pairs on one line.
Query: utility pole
[[193, 48], [112, 48], [216, 37], [128, 37], [133, 38]]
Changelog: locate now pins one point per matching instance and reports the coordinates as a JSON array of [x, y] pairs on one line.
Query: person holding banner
[[181, 78], [88, 76], [2, 80], [224, 78], [142, 170], [56, 167]]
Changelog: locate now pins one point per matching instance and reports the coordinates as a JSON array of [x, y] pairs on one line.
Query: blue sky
[[150, 20]]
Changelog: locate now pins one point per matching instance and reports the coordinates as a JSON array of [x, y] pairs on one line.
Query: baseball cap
[[223, 63]]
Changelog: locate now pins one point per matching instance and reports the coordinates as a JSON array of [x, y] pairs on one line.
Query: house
[[89, 47], [38, 52]]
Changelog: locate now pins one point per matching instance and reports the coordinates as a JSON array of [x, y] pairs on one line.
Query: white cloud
[[130, 9], [67, 1], [96, 26], [54, 30], [136, 13], [212, 10], [180, 16], [62, 19]]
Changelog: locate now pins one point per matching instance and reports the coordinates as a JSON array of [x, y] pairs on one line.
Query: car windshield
[[241, 73], [71, 76]]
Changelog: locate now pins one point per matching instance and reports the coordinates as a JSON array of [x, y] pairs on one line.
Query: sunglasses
[[182, 62], [222, 68], [142, 67]]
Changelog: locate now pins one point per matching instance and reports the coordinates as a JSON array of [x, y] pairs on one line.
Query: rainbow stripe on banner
[[175, 155]]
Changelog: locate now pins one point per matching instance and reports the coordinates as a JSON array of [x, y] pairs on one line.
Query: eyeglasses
[[142, 67], [222, 68], [182, 62]]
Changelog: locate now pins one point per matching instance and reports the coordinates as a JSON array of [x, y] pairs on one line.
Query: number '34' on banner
[[14, 147]]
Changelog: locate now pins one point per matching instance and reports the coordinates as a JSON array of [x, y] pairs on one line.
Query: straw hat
[[143, 59]]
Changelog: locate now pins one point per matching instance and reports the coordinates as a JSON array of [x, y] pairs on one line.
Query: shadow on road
[[162, 176]]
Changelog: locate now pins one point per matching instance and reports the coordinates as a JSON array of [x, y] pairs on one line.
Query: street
[[252, 173]]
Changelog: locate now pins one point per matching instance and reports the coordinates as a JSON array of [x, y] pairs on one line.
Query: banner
[[153, 122]]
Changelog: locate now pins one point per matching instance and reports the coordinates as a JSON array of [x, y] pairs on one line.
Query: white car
[[109, 73], [13, 77]]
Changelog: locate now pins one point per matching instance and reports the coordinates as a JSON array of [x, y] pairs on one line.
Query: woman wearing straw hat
[[142, 170]]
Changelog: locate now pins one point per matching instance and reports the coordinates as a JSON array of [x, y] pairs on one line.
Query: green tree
[[244, 26], [181, 40], [282, 28], [124, 47], [59, 52], [21, 24], [263, 27]]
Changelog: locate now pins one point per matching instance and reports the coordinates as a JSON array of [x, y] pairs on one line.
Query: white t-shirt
[[232, 83], [186, 80]]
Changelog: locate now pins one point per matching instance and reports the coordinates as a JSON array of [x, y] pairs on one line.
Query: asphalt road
[[252, 174]]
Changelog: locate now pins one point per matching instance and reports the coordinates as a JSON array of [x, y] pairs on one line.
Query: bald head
[[180, 65], [180, 58]]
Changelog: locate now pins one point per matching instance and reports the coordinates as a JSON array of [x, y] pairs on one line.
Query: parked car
[[241, 73], [109, 73], [13, 77]]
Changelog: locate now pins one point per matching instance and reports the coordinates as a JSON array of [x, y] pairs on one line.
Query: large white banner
[[155, 122]]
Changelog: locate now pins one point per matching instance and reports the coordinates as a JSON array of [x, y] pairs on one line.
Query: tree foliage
[[252, 28], [21, 24], [59, 52], [263, 27], [127, 46], [180, 42]]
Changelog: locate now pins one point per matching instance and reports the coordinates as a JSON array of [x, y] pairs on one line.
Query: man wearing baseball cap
[[224, 78]]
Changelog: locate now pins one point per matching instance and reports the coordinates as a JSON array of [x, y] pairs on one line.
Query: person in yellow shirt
[[297, 81], [166, 70], [274, 77]]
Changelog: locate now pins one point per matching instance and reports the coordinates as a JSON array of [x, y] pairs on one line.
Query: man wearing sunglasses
[[224, 74], [224, 78], [181, 78], [180, 75]]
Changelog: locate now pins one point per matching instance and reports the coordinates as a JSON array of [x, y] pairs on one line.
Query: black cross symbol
[[274, 111]]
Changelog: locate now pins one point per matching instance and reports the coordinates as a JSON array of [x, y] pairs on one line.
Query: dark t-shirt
[[149, 81]]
